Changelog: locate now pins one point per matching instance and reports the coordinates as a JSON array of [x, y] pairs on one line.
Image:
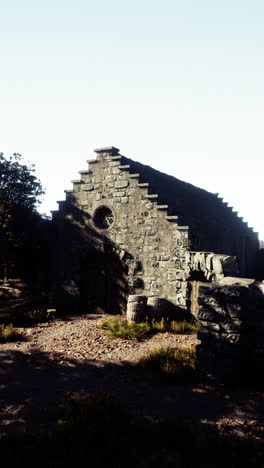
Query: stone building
[[127, 228]]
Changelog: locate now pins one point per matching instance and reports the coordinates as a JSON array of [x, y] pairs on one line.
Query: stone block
[[110, 178], [119, 194], [172, 275], [115, 170], [165, 258], [210, 325], [131, 191], [207, 314], [121, 183], [124, 200], [87, 187]]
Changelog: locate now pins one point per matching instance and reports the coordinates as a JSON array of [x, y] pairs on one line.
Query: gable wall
[[157, 245]]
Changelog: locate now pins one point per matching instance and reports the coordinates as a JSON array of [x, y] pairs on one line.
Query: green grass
[[8, 333], [174, 326], [128, 331], [120, 328], [184, 327], [175, 363]]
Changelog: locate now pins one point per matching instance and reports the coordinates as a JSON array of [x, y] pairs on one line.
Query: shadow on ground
[[168, 423]]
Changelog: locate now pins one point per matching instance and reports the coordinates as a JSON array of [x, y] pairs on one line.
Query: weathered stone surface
[[121, 184], [143, 226], [87, 187], [232, 332]]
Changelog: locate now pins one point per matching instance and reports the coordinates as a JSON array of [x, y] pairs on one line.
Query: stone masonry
[[114, 209], [232, 329]]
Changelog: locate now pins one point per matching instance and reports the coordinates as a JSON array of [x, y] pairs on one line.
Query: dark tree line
[[24, 233]]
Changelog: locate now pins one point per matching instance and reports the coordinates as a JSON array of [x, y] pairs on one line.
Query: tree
[[19, 187], [20, 192]]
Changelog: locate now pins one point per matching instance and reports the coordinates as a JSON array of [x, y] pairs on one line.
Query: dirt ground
[[59, 358]]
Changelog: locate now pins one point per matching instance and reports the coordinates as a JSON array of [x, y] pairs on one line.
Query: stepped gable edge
[[191, 218]]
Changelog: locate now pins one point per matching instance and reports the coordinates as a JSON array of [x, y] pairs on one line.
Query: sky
[[174, 84]]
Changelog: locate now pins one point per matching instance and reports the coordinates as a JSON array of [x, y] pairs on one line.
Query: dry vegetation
[[9, 333], [177, 364], [139, 331], [125, 374]]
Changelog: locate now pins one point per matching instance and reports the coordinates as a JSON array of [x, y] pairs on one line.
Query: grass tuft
[[9, 333], [128, 331], [120, 328], [174, 363], [184, 327], [35, 316]]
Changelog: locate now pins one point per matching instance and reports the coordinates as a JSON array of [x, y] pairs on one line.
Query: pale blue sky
[[175, 84]]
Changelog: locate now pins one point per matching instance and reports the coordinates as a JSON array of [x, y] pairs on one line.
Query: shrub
[[176, 363], [9, 333]]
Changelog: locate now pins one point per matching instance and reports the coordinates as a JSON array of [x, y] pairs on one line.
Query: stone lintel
[[162, 207], [134, 176], [111, 150], [76, 181], [182, 228], [68, 191]]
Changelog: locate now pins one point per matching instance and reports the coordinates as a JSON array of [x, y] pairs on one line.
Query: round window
[[103, 217]]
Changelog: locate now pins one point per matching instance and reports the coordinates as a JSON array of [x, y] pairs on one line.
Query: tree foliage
[[19, 187], [21, 227]]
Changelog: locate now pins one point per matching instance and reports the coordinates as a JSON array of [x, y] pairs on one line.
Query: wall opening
[[195, 280], [103, 284]]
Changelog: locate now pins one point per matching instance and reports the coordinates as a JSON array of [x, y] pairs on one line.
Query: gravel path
[[66, 356], [81, 338]]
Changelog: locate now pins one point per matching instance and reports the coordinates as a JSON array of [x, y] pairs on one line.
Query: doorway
[[103, 284]]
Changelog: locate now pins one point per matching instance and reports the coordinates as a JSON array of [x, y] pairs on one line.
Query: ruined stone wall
[[232, 329], [141, 226]]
